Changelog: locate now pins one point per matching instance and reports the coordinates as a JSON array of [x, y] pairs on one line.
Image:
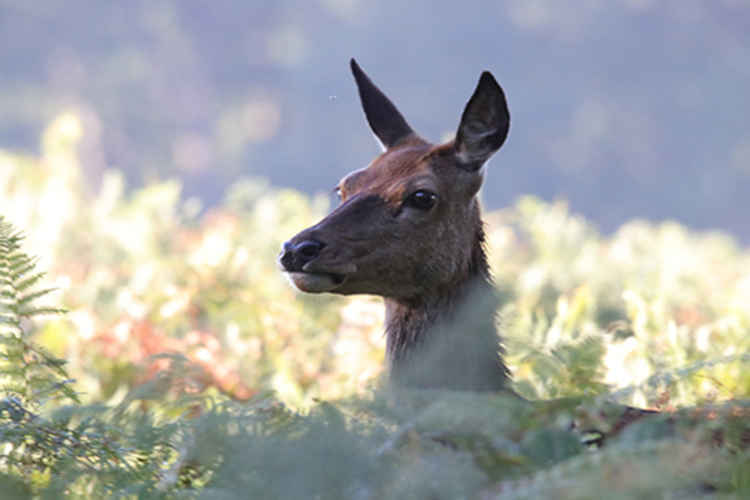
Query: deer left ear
[[484, 124], [385, 120]]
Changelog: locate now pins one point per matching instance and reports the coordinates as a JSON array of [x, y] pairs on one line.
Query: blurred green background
[[628, 108], [156, 154], [145, 271]]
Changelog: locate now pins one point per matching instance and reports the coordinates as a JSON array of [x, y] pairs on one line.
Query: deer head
[[408, 227]]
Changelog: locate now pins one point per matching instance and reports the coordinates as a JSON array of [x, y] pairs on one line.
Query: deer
[[409, 229]]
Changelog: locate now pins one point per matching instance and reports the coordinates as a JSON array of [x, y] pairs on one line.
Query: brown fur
[[428, 264]]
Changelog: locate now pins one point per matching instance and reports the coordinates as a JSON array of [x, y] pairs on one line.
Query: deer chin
[[316, 282]]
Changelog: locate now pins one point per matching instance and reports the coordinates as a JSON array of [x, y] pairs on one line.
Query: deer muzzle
[[302, 262]]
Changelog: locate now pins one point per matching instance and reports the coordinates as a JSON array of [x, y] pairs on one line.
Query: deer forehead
[[395, 173]]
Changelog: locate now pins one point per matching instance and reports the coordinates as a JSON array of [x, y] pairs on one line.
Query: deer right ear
[[385, 120], [484, 124]]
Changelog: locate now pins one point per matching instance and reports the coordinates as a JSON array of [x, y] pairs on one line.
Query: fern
[[73, 448], [26, 370]]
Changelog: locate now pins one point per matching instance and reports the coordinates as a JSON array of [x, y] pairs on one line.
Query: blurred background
[[156, 153], [630, 108]]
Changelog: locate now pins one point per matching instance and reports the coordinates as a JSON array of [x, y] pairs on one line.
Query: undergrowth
[[166, 439], [187, 368]]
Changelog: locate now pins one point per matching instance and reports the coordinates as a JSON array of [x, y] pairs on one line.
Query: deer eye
[[422, 200]]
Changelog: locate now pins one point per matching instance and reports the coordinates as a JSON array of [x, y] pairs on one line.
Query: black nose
[[295, 255], [308, 249]]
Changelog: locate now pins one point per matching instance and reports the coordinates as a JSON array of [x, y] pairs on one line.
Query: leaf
[[27, 283]]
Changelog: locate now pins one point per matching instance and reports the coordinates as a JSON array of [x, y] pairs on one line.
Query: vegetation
[[617, 123], [193, 370]]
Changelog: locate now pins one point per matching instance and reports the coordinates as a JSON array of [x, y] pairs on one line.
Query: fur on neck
[[447, 338]]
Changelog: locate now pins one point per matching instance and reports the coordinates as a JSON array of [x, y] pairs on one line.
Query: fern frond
[[8, 319], [24, 364], [39, 311], [26, 283], [12, 371], [30, 297], [20, 259], [21, 270]]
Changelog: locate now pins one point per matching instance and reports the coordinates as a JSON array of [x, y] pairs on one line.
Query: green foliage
[[148, 271], [206, 376], [654, 312], [26, 369]]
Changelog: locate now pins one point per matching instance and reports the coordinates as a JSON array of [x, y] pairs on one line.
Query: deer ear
[[385, 120], [484, 124]]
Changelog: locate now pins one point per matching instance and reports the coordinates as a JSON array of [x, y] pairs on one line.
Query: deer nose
[[308, 249], [295, 255]]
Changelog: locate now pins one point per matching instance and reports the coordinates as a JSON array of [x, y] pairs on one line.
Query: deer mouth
[[308, 272], [316, 282]]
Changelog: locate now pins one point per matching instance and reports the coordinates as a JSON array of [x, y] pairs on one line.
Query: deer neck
[[447, 337]]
